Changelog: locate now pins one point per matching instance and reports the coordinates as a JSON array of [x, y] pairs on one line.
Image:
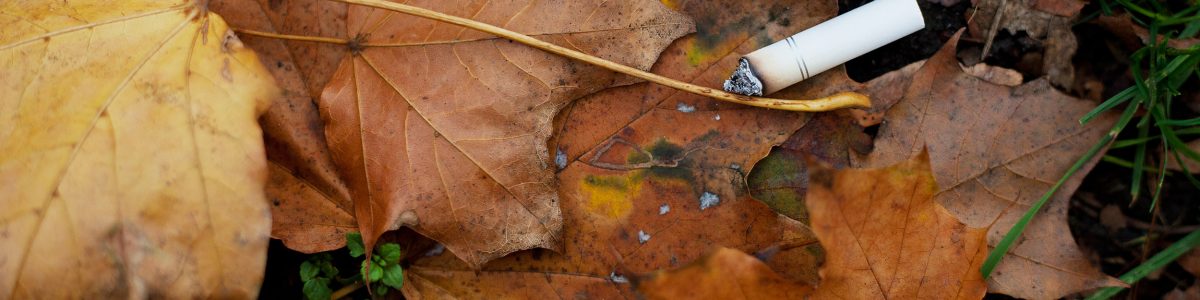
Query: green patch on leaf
[[780, 180]]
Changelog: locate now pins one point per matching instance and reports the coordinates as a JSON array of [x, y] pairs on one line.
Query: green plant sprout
[[384, 266], [1159, 71]]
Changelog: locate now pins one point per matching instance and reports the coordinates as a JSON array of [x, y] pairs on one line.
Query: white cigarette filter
[[824, 46]]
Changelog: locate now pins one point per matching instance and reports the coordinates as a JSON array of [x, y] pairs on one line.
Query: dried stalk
[[836, 101]]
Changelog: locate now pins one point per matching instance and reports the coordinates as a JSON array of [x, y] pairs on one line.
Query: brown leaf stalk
[[836, 101]]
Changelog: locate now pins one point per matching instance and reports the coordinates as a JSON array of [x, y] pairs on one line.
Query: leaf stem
[[316, 39], [836, 101], [346, 290]]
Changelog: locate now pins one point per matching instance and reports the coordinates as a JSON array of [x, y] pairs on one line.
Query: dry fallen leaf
[[617, 224], [311, 205], [1047, 21], [995, 150], [781, 179], [442, 129], [885, 237], [131, 164], [724, 274], [632, 201], [1133, 35]]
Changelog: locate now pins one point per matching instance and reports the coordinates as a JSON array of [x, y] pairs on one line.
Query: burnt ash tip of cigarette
[[743, 81]]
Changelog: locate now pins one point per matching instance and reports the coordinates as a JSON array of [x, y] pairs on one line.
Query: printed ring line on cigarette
[[824, 46], [828, 103]]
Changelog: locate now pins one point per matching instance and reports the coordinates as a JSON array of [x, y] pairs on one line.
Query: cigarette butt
[[824, 46]]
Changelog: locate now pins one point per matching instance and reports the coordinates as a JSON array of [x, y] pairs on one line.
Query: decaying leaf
[[781, 179], [1047, 21], [885, 237], [131, 164], [443, 129], [616, 225], [724, 274], [1133, 35], [668, 185], [995, 150], [311, 205]]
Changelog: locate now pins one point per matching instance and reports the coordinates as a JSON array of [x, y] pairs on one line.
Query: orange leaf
[[724, 274], [636, 171], [885, 238]]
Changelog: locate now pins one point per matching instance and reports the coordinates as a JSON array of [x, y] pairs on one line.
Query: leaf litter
[[130, 155]]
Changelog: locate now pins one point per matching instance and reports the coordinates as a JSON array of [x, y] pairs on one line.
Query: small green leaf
[[376, 272], [393, 276], [355, 244], [328, 269], [381, 290], [317, 289], [391, 253], [308, 271]]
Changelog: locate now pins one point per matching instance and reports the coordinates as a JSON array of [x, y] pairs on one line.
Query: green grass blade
[[1131, 142], [1174, 123], [1117, 99], [1139, 160], [1154, 263]]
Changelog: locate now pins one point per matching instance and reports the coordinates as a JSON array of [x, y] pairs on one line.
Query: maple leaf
[[484, 103], [724, 274], [447, 134], [884, 236], [130, 160], [995, 150], [665, 188], [312, 210]]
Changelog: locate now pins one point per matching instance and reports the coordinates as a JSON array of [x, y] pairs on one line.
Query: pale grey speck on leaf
[[560, 159], [684, 107], [617, 278], [643, 237], [709, 200]]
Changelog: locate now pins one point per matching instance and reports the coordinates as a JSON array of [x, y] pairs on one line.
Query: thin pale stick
[[315, 39], [329, 40], [836, 101]]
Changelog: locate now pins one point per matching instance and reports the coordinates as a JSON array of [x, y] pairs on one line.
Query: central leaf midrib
[[456, 146]]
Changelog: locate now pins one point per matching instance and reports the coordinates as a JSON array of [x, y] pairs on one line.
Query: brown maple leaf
[[995, 150], [311, 208], [725, 274], [668, 185], [442, 128], [885, 237]]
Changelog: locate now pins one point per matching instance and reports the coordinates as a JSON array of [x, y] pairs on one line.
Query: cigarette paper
[[824, 46]]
